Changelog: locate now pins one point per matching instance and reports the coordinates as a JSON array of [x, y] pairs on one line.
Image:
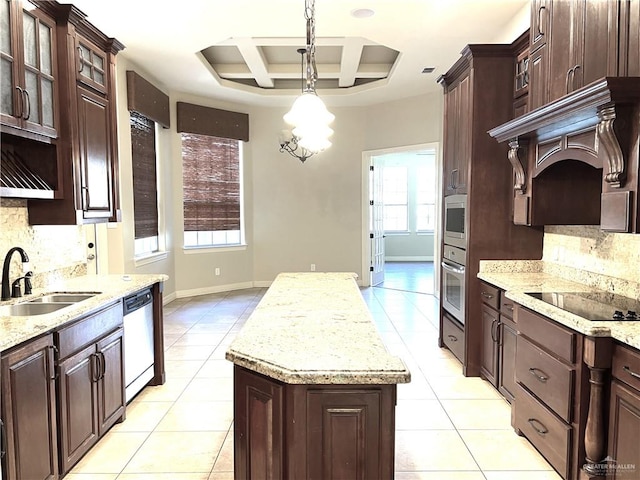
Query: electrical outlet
[[313, 267], [217, 272]]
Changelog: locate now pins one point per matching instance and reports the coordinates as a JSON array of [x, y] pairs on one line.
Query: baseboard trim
[[401, 258], [214, 289]]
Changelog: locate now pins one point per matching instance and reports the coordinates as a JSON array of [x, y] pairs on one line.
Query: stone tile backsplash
[[587, 248], [54, 251]]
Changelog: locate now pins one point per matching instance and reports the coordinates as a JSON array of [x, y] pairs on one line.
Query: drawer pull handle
[[540, 376], [453, 338], [486, 295], [631, 372], [542, 430], [509, 306]]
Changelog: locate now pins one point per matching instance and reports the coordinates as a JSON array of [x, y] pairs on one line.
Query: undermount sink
[[29, 308], [63, 298], [46, 304]]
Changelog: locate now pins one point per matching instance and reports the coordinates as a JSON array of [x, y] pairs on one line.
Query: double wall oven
[[454, 256]]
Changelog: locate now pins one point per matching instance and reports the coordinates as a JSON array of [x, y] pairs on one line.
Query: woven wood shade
[[145, 195], [211, 182]]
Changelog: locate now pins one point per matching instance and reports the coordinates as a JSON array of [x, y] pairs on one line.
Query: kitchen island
[[314, 386]]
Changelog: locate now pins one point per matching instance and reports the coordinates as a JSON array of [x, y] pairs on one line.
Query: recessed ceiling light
[[362, 13]]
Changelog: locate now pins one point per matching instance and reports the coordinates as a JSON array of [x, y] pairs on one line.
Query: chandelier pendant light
[[308, 117]]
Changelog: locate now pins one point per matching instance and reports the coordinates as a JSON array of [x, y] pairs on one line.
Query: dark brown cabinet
[[286, 431], [29, 411], [91, 382], [29, 97], [479, 88], [86, 186], [489, 365], [575, 43], [498, 340], [624, 413], [457, 136], [551, 398]]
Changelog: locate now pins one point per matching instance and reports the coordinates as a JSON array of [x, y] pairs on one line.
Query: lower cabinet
[[552, 390], [91, 382], [624, 414], [296, 432], [28, 411], [498, 340], [453, 336]]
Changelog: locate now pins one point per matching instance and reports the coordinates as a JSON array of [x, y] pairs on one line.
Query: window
[[395, 198], [145, 192], [212, 195], [426, 198]]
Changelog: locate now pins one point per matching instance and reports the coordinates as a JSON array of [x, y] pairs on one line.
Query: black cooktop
[[594, 305]]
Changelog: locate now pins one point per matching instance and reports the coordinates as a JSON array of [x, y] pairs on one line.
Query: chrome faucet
[[6, 293]]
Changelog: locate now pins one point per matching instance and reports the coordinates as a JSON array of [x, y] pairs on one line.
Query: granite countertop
[[108, 288], [519, 277], [315, 328]]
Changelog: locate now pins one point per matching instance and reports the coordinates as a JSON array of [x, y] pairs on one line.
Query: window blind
[[145, 195], [211, 183]]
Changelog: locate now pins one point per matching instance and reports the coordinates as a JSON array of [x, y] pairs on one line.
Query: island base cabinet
[[28, 411], [257, 426], [312, 432]]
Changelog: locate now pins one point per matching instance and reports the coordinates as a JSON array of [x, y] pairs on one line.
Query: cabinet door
[[92, 65], [561, 49], [465, 119], [11, 97], [450, 141], [538, 86], [540, 14], [258, 418], [593, 49], [624, 425], [78, 399], [345, 429], [28, 410], [28, 98], [507, 358], [111, 395], [96, 189], [489, 365]]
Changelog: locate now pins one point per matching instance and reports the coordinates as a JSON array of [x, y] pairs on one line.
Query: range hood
[[575, 160]]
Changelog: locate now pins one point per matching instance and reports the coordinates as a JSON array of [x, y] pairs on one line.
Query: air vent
[[428, 69]]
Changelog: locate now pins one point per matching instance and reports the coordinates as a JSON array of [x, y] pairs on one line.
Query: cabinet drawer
[[550, 435], [453, 337], [549, 379], [506, 305], [559, 341], [74, 337], [626, 365], [489, 295]]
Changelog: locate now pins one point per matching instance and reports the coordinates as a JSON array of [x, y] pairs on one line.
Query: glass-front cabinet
[[28, 68]]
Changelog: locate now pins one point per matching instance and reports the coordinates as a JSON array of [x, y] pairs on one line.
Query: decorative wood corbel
[[515, 145], [608, 140]]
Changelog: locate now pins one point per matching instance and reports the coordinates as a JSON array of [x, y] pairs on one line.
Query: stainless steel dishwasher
[[138, 342]]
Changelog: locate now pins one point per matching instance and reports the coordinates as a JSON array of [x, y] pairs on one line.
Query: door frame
[[368, 159]]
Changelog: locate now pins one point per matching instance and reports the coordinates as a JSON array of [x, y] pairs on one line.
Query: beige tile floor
[[448, 427]]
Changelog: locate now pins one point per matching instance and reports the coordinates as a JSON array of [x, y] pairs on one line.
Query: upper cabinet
[[574, 153], [28, 98], [87, 145], [457, 135]]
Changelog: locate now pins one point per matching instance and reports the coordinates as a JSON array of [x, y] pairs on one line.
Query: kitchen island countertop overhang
[[315, 328]]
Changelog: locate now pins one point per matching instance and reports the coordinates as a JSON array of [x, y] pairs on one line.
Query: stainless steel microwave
[[455, 221]]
